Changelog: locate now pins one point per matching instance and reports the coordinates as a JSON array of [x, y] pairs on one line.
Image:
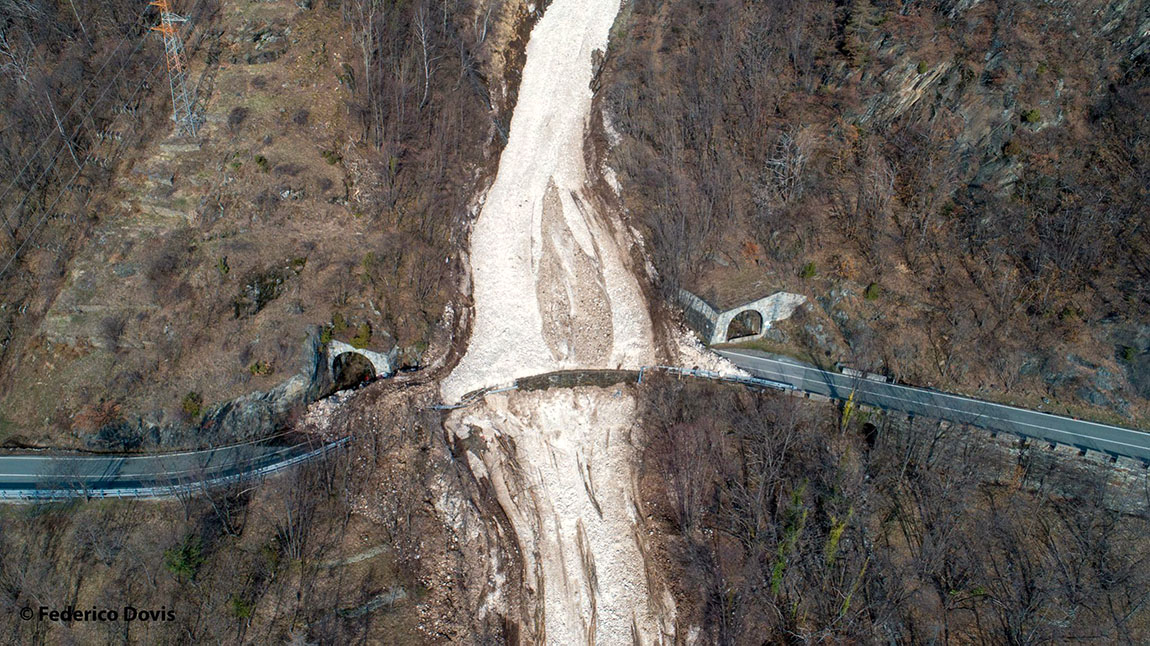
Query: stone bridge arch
[[775, 307], [382, 364], [746, 323]]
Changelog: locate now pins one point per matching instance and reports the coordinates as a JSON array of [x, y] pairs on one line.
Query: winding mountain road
[[53, 476], [922, 402]]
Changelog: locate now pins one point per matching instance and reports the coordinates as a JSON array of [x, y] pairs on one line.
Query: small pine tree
[[184, 560]]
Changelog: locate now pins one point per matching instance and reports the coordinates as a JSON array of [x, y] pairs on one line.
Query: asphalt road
[[55, 475], [952, 408], [44, 475]]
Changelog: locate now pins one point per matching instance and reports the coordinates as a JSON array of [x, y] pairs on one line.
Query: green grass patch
[[239, 608], [192, 404], [362, 336], [261, 368]]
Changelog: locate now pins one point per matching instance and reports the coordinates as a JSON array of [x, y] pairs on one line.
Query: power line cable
[[75, 102], [87, 158], [63, 146], [64, 189]]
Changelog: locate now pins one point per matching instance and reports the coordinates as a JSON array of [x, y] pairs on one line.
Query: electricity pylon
[[177, 68]]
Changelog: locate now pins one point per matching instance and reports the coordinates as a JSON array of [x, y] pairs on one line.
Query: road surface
[[47, 476], [952, 408]]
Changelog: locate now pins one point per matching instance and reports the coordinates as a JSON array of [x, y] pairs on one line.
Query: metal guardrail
[[71, 490], [474, 396], [77, 490]]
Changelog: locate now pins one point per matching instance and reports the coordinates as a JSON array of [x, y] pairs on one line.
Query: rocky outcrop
[[251, 416]]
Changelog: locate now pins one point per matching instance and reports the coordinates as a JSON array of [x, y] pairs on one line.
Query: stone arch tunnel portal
[[749, 322]]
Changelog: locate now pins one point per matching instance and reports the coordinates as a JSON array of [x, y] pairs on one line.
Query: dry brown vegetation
[[782, 524], [388, 541], [966, 158], [342, 145]]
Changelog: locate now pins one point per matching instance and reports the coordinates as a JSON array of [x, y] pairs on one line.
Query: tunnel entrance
[[351, 369], [745, 323]]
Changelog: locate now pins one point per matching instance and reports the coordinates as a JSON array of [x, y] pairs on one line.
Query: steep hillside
[[782, 521], [324, 198], [388, 542], [960, 187]]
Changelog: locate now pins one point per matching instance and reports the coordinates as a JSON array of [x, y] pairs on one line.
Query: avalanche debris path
[[553, 290], [551, 285]]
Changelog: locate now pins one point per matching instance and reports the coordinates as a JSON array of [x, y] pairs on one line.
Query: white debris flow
[[568, 489], [550, 280], [552, 289]]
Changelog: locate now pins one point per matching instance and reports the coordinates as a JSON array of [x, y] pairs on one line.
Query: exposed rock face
[[252, 416]]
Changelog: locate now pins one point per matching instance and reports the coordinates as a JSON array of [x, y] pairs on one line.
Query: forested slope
[[961, 187], [326, 196], [783, 522]]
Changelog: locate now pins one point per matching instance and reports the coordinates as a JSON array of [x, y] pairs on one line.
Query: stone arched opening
[[350, 369], [384, 363], [749, 322]]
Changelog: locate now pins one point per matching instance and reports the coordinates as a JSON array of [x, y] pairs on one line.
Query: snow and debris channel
[[553, 290]]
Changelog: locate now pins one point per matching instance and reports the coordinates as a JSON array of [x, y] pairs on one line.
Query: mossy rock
[[260, 289]]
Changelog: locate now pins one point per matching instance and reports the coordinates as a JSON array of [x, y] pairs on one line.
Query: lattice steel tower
[[177, 68]]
